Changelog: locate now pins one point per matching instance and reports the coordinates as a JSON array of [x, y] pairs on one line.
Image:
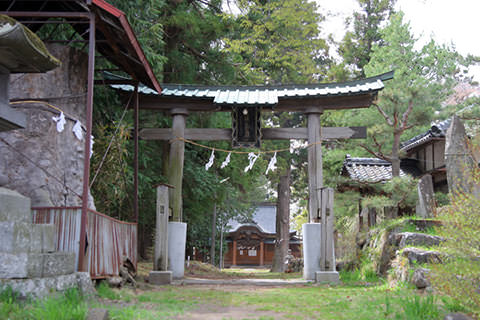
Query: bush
[[459, 276]]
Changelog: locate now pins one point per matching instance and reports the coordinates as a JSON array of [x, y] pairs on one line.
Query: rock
[[419, 256], [457, 316], [459, 160], [420, 279], [85, 285], [41, 198], [97, 314], [426, 197], [405, 239], [115, 282]]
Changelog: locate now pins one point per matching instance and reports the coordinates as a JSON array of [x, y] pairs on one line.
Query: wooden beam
[[165, 103], [328, 133]]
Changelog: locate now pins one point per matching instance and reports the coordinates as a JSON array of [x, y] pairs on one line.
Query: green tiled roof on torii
[[266, 95]]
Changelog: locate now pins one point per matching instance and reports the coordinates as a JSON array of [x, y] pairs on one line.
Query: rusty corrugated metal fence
[[110, 241]]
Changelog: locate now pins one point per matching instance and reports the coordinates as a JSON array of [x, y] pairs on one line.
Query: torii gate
[[246, 103]]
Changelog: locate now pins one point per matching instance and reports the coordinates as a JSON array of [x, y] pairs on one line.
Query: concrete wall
[[61, 154]]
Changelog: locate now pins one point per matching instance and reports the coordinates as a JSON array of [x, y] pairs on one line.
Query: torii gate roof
[[279, 97]]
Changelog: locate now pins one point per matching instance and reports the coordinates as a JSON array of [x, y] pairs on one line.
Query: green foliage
[[356, 46], [398, 192], [459, 276], [104, 291], [277, 42], [423, 79], [421, 308], [67, 305]]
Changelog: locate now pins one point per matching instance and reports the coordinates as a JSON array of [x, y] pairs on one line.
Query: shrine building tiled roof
[[375, 170], [437, 130]]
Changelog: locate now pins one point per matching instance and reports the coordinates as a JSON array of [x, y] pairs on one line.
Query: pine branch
[[384, 114]]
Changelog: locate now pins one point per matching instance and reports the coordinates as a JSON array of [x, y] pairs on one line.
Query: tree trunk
[[395, 154], [282, 224], [214, 233]]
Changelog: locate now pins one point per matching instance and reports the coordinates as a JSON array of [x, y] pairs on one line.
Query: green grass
[[356, 298], [68, 305]]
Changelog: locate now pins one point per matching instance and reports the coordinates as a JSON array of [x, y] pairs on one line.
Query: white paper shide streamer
[[60, 120], [78, 131], [91, 146], [272, 163], [252, 157], [226, 162], [210, 161]]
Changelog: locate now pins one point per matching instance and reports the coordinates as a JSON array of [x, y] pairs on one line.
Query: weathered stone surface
[[97, 314], [115, 281], [26, 237], [85, 285], [416, 255], [60, 154], [3, 179], [36, 265], [160, 277], [13, 206], [405, 239], [459, 160], [327, 277], [426, 197], [420, 278], [457, 316], [42, 287]]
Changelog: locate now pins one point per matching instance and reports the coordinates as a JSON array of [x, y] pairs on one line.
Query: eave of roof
[[437, 130], [121, 46], [267, 95], [374, 170]]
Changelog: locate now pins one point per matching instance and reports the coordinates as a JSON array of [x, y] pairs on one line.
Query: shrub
[[459, 276]]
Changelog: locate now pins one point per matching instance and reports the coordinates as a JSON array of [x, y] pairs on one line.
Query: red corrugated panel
[[110, 241]]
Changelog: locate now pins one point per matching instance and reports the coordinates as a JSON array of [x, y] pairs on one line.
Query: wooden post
[[135, 156], [160, 261], [88, 138], [327, 254], [214, 232], [315, 174], [175, 163], [234, 248], [262, 253]]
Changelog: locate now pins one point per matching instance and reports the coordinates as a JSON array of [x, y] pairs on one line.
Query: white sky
[[451, 22]]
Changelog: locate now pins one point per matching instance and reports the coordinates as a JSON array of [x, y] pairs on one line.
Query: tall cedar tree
[[356, 46]]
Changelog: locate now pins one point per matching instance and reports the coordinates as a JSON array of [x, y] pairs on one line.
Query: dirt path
[[215, 312]]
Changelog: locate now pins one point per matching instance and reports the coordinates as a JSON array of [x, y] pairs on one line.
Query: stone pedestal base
[[177, 238], [311, 250], [327, 277], [160, 277]]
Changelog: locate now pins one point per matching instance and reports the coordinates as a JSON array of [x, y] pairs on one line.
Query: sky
[[448, 22]]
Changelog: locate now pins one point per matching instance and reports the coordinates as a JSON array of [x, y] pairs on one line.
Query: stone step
[[418, 256], [36, 265], [18, 237], [405, 239], [14, 207]]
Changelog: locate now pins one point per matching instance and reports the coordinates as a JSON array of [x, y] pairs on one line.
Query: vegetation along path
[[358, 297]]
